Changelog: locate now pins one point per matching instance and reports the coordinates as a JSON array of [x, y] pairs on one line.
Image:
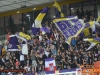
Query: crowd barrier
[[76, 71], [57, 72]]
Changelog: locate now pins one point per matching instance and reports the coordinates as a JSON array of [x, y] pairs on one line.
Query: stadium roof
[[10, 7]]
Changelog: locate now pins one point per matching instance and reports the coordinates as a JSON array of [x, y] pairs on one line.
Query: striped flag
[[26, 36], [38, 20], [13, 42], [69, 27], [59, 9], [23, 46], [50, 64], [93, 42]]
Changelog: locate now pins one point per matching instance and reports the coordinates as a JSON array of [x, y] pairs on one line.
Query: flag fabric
[[92, 41], [86, 31], [87, 24], [23, 46], [35, 30], [38, 20], [44, 30], [22, 38], [98, 20], [81, 34], [95, 40], [93, 24], [69, 27], [24, 35], [25, 49], [13, 42], [59, 9], [50, 64]]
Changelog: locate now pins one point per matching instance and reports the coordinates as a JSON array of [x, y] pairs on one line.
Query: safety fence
[[76, 71]]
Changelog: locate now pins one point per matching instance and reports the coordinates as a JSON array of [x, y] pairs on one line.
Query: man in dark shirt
[[65, 45], [73, 65]]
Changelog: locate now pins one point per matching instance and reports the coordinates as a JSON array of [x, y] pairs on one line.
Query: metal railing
[[2, 37]]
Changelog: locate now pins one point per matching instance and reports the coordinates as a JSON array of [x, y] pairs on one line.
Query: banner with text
[[69, 27]]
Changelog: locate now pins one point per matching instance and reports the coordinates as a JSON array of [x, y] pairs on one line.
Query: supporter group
[[51, 45]]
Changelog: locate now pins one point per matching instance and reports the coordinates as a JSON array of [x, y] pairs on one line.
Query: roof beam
[[29, 9]]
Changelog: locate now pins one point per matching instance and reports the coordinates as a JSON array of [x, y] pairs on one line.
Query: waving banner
[[70, 27]]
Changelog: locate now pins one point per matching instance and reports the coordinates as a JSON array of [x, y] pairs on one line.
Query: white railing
[[2, 39]]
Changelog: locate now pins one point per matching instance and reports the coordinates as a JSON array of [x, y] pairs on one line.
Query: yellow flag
[[86, 31], [24, 35], [98, 20]]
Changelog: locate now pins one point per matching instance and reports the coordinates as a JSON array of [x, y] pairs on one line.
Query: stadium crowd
[[51, 45]]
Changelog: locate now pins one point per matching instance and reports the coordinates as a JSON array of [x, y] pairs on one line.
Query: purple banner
[[45, 29], [13, 42], [70, 27]]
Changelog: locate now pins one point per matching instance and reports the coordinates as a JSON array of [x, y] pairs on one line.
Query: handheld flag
[[93, 42], [69, 27], [23, 47], [94, 23], [13, 42], [44, 30], [24, 35], [86, 31], [50, 64], [59, 9], [38, 20]]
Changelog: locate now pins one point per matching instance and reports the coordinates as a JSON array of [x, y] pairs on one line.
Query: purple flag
[[98, 39], [45, 29], [13, 42], [69, 28], [87, 24], [81, 34], [35, 30], [37, 25]]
